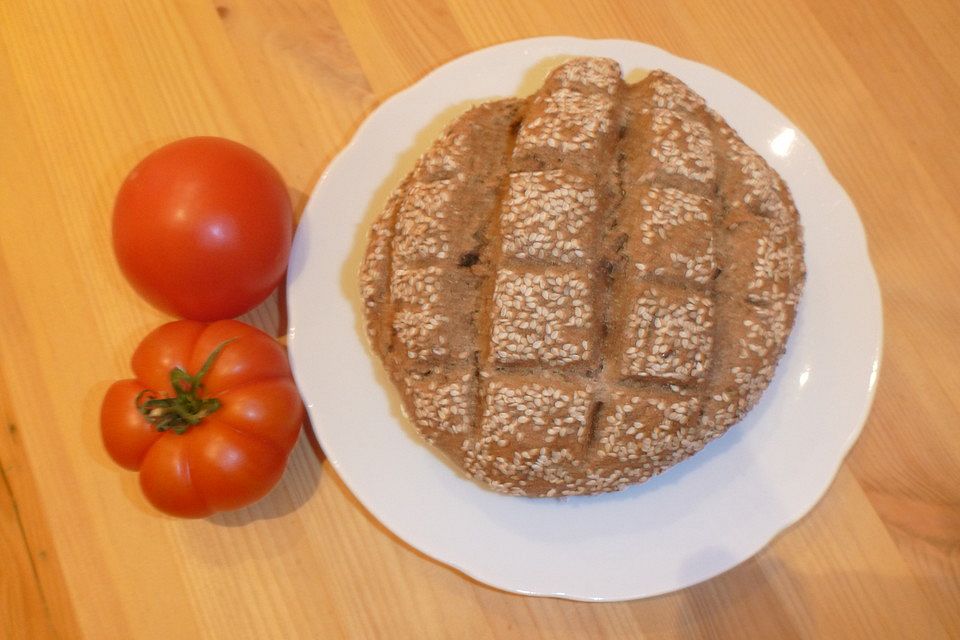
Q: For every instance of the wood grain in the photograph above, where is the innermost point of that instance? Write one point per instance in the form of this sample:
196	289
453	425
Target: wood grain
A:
90	87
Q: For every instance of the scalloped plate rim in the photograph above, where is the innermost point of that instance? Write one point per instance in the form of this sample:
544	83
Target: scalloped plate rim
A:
346	470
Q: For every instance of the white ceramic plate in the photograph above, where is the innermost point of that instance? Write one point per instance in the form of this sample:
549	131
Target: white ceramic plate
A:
699	518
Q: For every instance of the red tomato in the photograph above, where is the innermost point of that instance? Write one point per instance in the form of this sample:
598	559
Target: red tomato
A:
202	228
209	420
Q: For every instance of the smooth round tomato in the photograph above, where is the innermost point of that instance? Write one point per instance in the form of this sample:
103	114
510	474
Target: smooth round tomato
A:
202	228
209	418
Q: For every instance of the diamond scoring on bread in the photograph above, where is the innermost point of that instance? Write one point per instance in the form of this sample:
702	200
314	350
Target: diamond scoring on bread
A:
575	291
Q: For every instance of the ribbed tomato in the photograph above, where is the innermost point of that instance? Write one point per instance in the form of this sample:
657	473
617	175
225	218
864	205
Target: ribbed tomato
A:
209	418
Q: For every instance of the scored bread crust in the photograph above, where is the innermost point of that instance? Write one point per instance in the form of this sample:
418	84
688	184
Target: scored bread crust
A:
577	290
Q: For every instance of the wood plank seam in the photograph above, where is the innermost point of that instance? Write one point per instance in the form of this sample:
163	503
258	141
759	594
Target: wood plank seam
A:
12	429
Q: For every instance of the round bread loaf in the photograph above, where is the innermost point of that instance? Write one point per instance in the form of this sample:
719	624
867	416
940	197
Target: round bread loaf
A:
578	290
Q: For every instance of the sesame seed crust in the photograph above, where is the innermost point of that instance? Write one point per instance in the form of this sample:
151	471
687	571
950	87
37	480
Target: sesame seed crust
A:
578	290
545	214
541	318
670	232
567	121
587	75
668	92
641	434
670	337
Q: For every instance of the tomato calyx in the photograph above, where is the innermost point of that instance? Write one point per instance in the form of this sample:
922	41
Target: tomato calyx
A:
187	407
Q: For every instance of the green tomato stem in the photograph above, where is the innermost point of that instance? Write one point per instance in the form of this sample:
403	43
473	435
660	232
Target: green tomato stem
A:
187	407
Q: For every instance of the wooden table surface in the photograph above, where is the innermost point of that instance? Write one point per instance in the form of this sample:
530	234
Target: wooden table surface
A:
87	88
